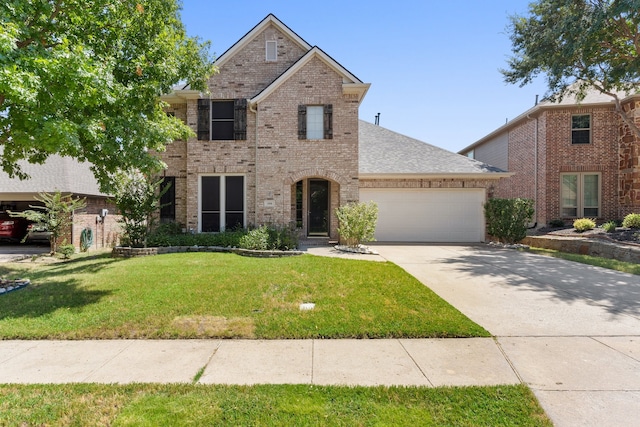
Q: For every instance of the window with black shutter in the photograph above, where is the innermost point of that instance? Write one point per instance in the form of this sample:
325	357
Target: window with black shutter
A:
222	119
315	121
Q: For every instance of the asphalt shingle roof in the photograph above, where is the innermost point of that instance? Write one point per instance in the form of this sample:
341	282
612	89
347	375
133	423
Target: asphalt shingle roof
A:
56	174
386	152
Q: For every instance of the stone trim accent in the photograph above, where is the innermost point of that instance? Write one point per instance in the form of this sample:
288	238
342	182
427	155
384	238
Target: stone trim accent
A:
127	252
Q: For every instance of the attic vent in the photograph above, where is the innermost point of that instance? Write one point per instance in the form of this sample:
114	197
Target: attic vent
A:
272	50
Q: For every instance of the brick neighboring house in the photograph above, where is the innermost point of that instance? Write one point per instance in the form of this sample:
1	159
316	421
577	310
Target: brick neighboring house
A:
69	177
574	159
279	141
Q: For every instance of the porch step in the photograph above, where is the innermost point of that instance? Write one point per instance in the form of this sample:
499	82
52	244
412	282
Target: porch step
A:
316	241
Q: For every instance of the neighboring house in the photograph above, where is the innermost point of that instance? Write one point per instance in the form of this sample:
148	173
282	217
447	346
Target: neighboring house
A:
69	177
279	142
574	159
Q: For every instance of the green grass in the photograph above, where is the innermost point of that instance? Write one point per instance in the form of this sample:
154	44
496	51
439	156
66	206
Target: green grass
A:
612	264
200	295
267	405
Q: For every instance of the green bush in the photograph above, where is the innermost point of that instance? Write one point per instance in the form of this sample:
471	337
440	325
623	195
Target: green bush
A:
584	224
67	251
507	218
256	239
283	238
631	221
357	223
609	226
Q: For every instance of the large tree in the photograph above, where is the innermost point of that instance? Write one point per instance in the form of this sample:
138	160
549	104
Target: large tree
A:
579	45
83	78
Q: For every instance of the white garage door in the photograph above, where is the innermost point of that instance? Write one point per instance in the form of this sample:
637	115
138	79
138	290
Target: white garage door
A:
427	215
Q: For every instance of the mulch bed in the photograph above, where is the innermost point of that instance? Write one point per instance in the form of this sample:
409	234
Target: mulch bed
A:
621	234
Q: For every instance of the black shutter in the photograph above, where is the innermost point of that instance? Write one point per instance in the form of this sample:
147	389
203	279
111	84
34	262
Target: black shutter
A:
240	119
204	120
302	122
328	121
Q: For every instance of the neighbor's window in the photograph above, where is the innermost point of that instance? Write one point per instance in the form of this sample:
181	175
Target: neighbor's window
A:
272	50
581	129
580	195
315	121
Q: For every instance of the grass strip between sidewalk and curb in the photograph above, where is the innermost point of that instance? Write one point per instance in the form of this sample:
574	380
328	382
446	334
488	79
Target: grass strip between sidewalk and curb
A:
268	405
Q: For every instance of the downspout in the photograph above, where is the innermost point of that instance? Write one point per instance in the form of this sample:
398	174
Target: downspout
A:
535	177
253	108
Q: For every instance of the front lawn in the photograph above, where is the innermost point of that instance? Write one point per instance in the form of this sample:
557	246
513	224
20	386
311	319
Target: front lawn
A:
199	295
266	405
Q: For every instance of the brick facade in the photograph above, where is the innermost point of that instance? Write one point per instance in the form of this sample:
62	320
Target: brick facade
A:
272	158
540	150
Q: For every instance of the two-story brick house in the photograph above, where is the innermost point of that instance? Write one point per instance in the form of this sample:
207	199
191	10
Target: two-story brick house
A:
279	141
575	159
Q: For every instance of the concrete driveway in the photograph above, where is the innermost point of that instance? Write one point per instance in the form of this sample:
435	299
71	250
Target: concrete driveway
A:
14	252
571	331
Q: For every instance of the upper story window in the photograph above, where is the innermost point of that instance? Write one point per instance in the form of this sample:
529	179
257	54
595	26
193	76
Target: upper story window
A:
271	50
222	119
581	129
315	121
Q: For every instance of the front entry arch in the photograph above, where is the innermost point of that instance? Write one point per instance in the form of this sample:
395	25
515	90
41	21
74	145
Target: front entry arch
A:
313	206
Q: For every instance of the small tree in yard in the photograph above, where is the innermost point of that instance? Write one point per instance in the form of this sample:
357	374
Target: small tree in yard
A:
507	218
55	214
357	223
137	198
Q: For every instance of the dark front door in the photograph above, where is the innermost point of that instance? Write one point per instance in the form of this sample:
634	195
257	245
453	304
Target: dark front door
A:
318	207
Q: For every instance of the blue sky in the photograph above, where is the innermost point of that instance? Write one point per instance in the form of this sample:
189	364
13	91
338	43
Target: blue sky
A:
433	65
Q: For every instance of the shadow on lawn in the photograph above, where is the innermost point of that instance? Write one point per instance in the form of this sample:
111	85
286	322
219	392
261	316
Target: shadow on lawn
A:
53	288
36	301
618	293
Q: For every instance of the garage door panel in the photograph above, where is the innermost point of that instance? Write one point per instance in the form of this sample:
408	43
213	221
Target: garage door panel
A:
428	215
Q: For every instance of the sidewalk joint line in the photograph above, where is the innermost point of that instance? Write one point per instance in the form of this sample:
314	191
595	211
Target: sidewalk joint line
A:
415	363
206	365
504	354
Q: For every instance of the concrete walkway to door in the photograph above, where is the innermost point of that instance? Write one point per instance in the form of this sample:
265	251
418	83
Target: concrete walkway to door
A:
571	331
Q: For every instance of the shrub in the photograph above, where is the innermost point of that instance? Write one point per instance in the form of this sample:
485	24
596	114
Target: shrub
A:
556	223
609	226
357	222
583	224
283	238
631	221
67	250
256	239
507	218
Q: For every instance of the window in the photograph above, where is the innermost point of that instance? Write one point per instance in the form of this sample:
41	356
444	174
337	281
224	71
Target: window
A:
315	121
580	195
271	50
581	129
221	203
222	119
168	199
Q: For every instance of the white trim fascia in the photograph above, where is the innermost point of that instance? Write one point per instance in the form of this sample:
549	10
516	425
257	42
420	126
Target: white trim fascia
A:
480	175
359	89
270	19
314	52
180	96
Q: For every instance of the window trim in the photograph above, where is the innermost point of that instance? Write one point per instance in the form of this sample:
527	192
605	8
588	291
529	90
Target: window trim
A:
589	129
223	200
274	44
580	208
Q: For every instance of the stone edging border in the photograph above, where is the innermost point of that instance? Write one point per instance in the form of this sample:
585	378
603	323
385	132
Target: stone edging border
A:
127	252
7	286
603	248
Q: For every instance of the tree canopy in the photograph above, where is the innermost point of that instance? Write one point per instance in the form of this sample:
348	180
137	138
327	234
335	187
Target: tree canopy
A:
578	45
83	78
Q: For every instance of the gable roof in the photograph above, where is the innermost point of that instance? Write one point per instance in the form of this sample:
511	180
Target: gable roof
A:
57	173
351	84
593	98
386	153
269	20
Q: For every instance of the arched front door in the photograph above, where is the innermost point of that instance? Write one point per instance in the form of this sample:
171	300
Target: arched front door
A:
318	207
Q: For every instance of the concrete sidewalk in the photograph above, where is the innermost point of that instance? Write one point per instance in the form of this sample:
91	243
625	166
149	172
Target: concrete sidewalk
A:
417	362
